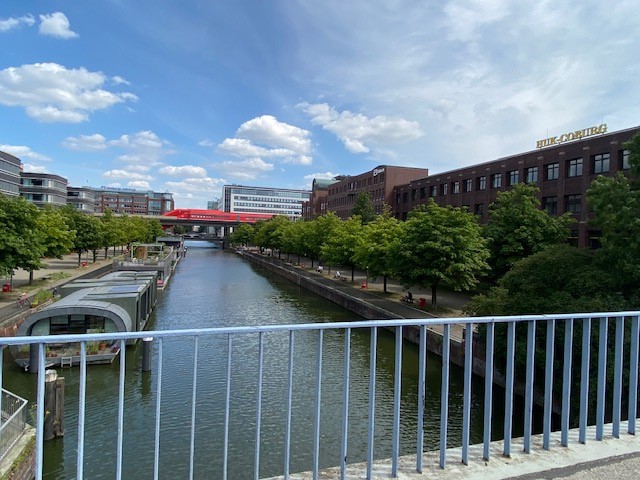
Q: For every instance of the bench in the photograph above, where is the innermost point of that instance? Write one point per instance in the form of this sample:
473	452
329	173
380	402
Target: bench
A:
407	298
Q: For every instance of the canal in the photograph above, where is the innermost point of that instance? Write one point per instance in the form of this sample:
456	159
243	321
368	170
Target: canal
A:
213	288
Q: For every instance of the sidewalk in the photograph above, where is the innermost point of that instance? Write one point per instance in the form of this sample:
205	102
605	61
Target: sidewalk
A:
57	272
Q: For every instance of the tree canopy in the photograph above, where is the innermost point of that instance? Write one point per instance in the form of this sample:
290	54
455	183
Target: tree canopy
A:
439	244
517	228
363	207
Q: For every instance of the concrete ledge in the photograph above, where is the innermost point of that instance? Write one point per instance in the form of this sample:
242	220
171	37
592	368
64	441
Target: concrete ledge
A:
576	458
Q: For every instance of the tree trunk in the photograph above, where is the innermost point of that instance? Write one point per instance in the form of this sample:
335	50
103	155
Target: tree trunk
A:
31	276
353	271
79	257
95	254
384	282
434	289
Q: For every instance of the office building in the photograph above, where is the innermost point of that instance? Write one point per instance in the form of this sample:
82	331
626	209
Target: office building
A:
275	201
10	168
43	189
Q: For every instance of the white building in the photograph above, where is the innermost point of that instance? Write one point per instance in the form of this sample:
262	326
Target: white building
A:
276	201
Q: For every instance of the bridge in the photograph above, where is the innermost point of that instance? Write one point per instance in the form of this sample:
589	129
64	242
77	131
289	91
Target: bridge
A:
213	218
611	396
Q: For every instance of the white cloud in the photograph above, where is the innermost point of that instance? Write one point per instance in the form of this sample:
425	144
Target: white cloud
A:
56	25
198	185
266	137
184	170
206	143
144	139
22	151
248	169
355	130
320	175
28	167
87	143
269	131
125	174
118	80
52	93
139	185
10	23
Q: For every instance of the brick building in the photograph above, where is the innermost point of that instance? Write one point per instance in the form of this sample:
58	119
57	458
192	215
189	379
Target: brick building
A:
379	183
561	167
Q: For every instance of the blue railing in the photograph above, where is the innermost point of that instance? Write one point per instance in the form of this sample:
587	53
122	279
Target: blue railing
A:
495	330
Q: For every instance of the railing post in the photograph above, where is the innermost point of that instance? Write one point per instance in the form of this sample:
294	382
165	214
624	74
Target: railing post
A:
508	392
397	390
316	428
422	368
372	398
444	394
287	429
345	403
633	376
488	391
528	391
602	376
466	402
566	381
548	385
617	376
584	379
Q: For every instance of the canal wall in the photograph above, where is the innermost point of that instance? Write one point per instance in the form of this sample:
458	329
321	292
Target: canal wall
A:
371	307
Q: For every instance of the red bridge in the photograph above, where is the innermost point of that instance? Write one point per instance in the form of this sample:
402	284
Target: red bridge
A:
190	216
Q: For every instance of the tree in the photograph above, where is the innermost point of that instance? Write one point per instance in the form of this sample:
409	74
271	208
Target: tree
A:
615	202
242	235
439	244
339	248
517	228
268	233
372	250
57	236
364	208
87	230
560	279
317	232
21	243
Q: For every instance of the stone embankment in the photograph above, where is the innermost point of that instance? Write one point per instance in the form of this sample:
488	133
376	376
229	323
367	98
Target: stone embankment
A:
372	306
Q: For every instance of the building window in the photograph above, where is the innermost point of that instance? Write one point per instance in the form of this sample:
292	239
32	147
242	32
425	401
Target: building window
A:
444	189
550	205
479	209
481	183
496	180
574	167
601	163
468	185
455	187
397	198
553	171
624	160
433	191
514	177
423	192
414	194
405	197
573	203
531	174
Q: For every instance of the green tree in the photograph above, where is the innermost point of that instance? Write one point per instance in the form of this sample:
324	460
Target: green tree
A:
87	228
317	232
439	244
268	233
517	228
372	250
339	248
242	235
560	279
364	208
21	243
57	236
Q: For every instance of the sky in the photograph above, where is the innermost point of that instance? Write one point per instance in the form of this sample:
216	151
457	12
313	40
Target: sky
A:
185	97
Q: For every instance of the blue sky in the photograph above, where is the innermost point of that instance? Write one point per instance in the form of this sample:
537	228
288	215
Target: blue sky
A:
188	96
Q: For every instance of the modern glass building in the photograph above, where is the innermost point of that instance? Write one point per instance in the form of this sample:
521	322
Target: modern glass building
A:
132	202
43	188
276	201
10	167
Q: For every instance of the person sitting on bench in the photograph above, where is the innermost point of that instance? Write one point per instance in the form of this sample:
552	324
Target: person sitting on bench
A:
408	297
337	275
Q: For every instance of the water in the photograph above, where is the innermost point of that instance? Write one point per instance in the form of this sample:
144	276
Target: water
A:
215	288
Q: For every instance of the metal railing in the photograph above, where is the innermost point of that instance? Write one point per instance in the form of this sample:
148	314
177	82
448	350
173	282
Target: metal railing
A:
499	337
13	419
